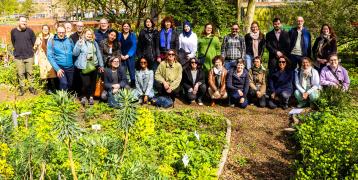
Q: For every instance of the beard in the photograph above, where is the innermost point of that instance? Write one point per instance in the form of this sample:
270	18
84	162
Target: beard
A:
22	27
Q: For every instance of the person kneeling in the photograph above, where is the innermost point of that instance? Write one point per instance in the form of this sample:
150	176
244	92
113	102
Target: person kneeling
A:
307	83
144	79
217	80
238	84
257	76
114	79
194	82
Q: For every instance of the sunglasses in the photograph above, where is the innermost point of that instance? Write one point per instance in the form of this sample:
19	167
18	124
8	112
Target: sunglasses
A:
193	62
171	54
143	62
282	62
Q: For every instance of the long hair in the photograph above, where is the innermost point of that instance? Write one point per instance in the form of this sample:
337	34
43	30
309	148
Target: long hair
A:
331	31
90	30
151	20
213	31
129	24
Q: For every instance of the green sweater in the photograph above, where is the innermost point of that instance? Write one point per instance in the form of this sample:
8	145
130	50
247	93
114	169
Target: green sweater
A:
171	75
213	50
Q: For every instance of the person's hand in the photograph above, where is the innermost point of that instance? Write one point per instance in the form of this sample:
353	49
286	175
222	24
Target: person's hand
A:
305	95
196	87
195	91
145	99
279	53
114	91
60	73
242	100
190	90
166	85
240	92
169	90
258	94
159	60
222	92
217	94
273	95
101	69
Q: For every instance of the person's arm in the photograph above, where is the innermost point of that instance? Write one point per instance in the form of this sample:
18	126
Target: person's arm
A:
176	41
251	79
194	41
157	44
269	44
323	77
314	49
229	82
179	71
133	48
334	46
99	54
243	48
13	38
159	72
51	54
309	52
77	48
271	84
263	85
223	84
246	85
107	81
346	80
150	83
262	45
186	82
137	85
140	45
297	82
211	81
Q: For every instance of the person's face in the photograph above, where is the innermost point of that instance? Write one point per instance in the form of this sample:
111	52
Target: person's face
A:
325	30
193	64
148	23
126	28
257	63
300	22
240	67
68	27
277	25
306	64
103	24
333	61
168	24
143	63
115	63
171	57
45	30
22	23
254	28
186	28
79	27
89	35
218	64
61	32
112	36
234	30
282	63
209	29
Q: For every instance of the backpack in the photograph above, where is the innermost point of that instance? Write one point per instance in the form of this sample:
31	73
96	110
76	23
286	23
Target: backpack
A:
163	101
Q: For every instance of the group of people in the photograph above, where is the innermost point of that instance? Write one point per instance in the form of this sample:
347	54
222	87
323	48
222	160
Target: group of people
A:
166	63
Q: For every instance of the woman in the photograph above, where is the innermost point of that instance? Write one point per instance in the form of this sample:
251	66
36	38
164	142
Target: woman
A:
144	79
238	85
128	42
47	73
255	44
114	79
188	45
257	77
148	44
334	75
168	36
168	76
280	84
324	46
194	82
208	47
89	59
110	47
307	83
217	80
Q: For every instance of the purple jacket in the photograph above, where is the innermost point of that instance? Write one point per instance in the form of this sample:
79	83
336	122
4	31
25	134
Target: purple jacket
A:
328	79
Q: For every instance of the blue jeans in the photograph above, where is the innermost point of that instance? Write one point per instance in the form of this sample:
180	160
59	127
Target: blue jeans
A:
130	64
66	79
248	60
230	64
235	99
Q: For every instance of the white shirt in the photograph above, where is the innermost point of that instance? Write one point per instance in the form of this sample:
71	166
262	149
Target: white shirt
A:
189	44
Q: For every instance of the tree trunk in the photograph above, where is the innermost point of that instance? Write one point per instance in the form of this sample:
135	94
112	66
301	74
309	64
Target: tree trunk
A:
249	17
71	161
125	146
43	171
30	168
239	4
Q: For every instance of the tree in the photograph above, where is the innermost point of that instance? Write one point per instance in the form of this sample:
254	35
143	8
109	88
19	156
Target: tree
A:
8	6
26	8
249	16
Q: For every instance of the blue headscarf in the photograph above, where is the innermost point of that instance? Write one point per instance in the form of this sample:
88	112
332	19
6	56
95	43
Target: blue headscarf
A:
187	34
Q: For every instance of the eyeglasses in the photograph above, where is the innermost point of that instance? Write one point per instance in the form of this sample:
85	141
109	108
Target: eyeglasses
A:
282	62
171	54
193	62
61	32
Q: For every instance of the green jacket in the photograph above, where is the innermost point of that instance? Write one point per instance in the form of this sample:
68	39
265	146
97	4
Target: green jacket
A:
171	75
213	50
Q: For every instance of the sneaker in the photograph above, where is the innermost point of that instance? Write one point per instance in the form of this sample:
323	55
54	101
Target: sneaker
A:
200	102
32	90
83	101
91	101
212	104
284	107
21	92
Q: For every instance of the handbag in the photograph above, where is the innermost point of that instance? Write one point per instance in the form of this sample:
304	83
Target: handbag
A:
202	58
99	87
90	67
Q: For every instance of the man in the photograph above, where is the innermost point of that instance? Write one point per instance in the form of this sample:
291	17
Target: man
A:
233	47
102	32
300	46
59	53
277	43
23	40
79	28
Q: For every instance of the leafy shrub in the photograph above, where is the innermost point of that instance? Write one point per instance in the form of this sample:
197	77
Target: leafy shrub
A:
333	100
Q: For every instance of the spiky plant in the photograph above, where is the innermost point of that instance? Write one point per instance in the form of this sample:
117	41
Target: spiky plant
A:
126	114
65	123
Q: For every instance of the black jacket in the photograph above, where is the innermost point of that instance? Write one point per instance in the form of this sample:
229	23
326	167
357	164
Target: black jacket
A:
148	44
108	79
272	45
116	50
187	79
23	43
174	43
248	43
328	48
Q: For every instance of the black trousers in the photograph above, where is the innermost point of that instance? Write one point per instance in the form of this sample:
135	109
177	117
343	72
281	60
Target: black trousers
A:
199	95
88	83
162	92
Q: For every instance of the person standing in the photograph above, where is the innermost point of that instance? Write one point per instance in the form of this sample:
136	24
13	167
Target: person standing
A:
79	29
188	45
47	73
233	48
169	38
277	43
110	47
324	46
128	41
255	44
148	44
208	47
59	53
23	40
68	27
89	54
102	32
76	75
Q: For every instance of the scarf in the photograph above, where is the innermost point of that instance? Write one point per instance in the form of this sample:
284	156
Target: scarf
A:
187	34
305	78
255	42
218	73
149	34
325	40
163	40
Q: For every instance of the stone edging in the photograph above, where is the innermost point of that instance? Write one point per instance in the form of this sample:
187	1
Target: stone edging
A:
225	152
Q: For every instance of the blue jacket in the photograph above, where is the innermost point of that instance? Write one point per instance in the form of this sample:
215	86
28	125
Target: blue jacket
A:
59	52
235	83
81	52
305	41
281	81
100	35
108	78
129	45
